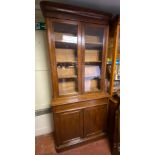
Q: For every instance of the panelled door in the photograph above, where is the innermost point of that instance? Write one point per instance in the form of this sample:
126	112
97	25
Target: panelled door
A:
69	126
95	120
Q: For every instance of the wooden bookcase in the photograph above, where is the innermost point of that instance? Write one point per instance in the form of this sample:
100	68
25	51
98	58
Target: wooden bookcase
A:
113	56
113	78
78	44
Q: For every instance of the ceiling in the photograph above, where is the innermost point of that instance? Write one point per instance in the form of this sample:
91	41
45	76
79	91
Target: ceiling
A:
110	6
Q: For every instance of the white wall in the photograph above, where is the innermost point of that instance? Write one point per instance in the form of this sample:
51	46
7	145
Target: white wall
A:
42	71
43	123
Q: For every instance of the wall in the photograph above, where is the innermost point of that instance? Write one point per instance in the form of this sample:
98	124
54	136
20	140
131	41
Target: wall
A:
43	118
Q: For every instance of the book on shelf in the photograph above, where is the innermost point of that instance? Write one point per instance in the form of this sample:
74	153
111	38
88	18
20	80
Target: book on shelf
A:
92	55
66	71
66	55
65	37
91	85
91	70
92	39
66	87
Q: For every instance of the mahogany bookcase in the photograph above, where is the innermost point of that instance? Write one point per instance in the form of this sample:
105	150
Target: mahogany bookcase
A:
78	45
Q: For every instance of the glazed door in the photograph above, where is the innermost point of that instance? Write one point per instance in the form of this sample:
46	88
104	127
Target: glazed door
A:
65	49
95	120
94	54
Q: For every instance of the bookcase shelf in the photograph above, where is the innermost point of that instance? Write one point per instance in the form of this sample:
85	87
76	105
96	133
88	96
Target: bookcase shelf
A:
93	62
68	77
93	45
67	63
92	77
62	44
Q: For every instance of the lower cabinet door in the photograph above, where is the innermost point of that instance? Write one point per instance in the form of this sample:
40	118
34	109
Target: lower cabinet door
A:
95	120
68	126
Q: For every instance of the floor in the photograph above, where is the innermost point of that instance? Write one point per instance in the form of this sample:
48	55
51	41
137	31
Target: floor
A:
45	146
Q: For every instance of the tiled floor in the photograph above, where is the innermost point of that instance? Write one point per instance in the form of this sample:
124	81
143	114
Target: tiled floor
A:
45	146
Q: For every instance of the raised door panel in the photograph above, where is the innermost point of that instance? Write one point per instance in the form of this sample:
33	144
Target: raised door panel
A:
69	126
95	120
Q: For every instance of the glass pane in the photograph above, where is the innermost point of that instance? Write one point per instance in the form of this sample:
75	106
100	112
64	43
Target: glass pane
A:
66	57
93	57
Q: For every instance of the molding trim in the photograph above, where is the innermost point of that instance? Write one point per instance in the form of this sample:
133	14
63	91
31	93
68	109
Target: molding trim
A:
51	134
43	111
66	11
